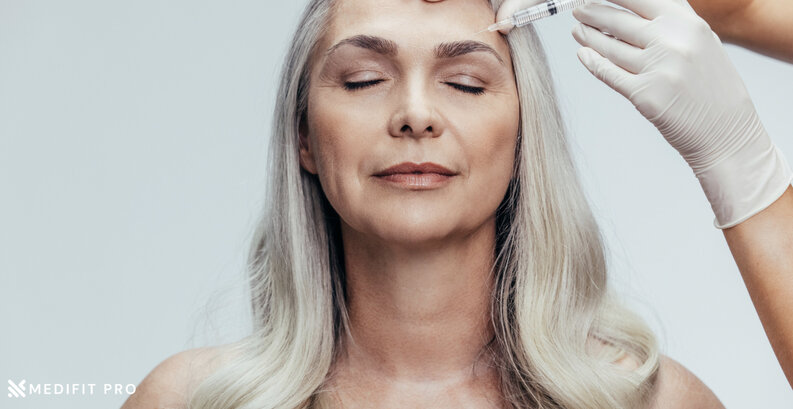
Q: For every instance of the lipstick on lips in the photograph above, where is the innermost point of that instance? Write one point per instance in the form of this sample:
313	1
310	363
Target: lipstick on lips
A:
417	176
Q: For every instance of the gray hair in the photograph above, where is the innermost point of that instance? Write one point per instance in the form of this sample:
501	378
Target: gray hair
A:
550	295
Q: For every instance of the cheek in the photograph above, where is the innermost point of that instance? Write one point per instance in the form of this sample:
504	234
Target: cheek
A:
339	137
327	133
490	137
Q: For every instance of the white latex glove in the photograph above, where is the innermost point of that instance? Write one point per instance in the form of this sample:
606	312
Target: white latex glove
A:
667	61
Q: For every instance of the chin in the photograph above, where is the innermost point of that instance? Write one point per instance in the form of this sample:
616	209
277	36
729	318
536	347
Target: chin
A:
407	230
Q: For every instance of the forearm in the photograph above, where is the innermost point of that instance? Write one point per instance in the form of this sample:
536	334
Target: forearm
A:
763	250
763	26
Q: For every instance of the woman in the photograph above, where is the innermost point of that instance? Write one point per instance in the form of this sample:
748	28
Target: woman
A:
427	242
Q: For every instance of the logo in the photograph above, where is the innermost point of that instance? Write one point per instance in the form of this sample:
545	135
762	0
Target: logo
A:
20	390
16	391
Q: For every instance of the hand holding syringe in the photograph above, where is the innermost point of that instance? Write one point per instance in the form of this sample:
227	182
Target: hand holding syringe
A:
520	13
665	59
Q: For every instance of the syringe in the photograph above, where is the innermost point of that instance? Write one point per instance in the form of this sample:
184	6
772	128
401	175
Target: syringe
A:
534	13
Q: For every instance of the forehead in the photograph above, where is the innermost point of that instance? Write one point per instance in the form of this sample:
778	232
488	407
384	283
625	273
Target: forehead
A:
415	24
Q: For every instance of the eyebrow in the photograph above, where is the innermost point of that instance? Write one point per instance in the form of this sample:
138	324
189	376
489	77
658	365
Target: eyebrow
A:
389	48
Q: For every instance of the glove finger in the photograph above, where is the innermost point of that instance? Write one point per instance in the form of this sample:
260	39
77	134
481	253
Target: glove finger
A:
648	9
509	7
621	24
619	52
615	77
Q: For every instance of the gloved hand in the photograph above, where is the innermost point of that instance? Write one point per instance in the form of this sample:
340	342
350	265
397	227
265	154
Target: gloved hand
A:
667	61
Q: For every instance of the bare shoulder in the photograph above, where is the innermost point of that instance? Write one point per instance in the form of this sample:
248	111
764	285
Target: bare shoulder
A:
678	388
167	385
675	388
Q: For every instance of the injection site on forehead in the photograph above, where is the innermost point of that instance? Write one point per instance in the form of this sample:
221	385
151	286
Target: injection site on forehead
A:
416	24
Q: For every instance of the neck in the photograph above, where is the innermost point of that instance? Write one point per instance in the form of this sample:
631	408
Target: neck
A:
419	312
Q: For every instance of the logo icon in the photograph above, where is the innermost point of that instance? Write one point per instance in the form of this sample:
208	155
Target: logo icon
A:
16	391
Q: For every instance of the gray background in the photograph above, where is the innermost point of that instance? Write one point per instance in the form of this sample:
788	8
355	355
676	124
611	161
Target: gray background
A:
132	140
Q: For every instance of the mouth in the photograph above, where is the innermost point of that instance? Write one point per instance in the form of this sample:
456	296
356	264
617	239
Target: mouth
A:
415	176
408	168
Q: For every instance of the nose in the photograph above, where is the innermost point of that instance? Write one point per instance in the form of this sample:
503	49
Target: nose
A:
416	114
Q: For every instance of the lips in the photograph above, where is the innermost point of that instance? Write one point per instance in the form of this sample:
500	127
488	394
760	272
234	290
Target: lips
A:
416	168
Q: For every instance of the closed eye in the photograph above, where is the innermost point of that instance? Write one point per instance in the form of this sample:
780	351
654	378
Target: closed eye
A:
353	86
466	88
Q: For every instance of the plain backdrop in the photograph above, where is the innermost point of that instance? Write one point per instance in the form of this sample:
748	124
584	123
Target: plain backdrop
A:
132	148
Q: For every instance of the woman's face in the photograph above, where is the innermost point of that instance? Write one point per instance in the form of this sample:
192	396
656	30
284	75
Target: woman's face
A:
410	81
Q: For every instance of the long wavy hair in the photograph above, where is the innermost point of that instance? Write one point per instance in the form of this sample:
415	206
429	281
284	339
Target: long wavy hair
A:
550	297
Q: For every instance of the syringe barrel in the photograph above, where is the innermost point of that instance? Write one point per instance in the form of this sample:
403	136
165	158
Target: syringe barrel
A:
549	8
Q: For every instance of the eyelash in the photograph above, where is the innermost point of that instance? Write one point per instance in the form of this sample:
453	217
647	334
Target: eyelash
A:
354	86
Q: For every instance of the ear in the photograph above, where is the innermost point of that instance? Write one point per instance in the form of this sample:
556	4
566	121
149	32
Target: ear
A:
306	155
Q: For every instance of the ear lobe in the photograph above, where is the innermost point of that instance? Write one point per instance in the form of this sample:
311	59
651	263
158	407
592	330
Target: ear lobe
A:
306	156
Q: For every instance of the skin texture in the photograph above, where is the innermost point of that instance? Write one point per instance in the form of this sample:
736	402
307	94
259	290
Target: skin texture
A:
763	26
763	249
169	383
678	388
417	261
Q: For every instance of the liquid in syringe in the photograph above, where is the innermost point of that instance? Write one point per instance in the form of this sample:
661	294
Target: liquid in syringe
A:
537	12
